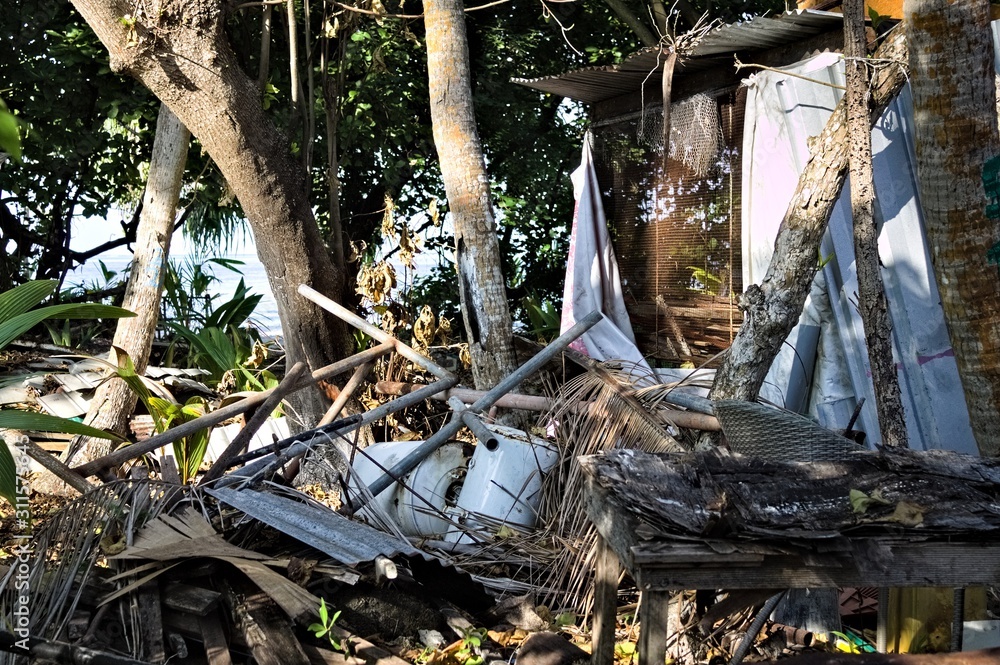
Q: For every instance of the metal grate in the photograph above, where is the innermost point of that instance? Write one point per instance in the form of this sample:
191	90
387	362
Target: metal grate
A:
677	237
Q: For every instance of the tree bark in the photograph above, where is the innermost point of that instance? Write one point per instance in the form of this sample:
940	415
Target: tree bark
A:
955	126
772	308
463	168
114	401
872	302
181	53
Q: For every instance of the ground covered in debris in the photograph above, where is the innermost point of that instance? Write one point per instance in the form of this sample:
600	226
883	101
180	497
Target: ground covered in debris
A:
480	552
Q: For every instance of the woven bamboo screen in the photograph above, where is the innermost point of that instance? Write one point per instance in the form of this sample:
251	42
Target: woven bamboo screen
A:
677	236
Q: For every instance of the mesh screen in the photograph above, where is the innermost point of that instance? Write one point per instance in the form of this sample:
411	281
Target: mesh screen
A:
677	236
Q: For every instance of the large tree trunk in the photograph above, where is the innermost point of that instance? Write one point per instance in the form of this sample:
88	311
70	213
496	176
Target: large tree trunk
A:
463	168
872	303
179	50
955	122
772	308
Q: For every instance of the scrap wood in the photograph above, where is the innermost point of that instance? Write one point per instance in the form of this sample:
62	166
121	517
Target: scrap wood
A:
56	467
302	442
264	628
981	657
690	419
214	640
696	495
122	455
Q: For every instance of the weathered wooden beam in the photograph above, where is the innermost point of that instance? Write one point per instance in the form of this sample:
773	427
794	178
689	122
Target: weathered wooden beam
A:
607	570
981	657
263	624
58	469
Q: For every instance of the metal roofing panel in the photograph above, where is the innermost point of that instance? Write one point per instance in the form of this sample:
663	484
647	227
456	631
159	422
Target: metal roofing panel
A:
345	540
595	84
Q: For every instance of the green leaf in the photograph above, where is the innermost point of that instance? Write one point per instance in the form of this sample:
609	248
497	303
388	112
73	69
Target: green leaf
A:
43	422
22	298
323	612
8	474
11	329
10	135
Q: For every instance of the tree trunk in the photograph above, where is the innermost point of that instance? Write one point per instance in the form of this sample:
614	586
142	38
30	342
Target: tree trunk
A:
772	308
181	53
463	168
872	303
112	406
114	402
955	123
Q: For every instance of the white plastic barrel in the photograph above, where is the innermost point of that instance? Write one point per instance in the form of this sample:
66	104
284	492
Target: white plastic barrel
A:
504	482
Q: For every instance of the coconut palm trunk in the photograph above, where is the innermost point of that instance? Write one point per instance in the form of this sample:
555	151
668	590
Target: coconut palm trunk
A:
955	123
463	168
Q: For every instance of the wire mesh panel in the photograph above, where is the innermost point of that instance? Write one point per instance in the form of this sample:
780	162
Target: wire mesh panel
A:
677	230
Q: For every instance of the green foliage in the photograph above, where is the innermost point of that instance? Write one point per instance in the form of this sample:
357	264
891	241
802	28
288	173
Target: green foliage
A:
470	651
87	139
10	133
545	318
17	317
8	474
43	422
325	627
189	451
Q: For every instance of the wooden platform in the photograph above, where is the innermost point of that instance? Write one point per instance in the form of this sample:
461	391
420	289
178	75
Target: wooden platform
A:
718	521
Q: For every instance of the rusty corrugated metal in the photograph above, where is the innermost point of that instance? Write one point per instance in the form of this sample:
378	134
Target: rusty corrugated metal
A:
596	84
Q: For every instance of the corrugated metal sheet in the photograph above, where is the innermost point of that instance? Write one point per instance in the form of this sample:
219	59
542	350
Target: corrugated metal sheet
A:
347	541
596	84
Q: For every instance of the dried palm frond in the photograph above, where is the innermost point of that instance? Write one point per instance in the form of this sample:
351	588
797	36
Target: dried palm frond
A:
615	415
59	560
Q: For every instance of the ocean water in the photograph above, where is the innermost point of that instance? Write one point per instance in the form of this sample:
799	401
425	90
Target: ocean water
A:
265	316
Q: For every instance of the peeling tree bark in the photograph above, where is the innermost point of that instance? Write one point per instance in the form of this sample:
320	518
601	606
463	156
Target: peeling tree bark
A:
463	168
179	50
872	303
955	133
772	308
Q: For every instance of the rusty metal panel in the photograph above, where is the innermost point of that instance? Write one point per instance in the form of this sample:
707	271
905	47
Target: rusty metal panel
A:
347	541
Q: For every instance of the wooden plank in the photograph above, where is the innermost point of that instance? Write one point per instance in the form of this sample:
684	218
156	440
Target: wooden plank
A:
899	564
190	599
605	604
653	627
214	639
263	624
154	648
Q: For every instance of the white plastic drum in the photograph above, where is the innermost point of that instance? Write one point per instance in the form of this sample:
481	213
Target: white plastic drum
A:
504	482
435	479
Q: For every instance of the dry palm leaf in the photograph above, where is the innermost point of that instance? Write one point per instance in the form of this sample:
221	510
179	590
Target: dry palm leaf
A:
59	564
616	417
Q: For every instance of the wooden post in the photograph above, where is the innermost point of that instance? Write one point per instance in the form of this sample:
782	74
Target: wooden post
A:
605	604
653	627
